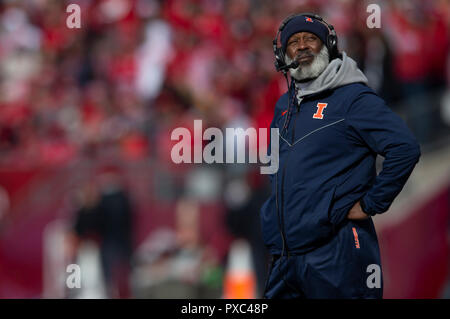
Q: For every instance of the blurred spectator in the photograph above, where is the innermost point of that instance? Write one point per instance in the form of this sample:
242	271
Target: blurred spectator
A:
115	225
243	198
105	215
86	215
178	263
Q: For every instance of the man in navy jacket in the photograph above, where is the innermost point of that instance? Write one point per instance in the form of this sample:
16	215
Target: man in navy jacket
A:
317	223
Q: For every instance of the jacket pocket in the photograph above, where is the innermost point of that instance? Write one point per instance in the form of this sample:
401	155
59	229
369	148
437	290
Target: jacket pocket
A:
338	215
307	222
344	198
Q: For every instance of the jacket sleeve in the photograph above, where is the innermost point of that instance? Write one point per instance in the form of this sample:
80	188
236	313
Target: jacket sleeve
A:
374	125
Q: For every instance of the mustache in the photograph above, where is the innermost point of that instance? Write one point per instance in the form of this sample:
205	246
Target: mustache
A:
306	54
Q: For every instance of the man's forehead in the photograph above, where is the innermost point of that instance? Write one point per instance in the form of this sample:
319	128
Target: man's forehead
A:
302	33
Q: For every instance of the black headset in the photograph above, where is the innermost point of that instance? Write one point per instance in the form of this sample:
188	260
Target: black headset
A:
332	41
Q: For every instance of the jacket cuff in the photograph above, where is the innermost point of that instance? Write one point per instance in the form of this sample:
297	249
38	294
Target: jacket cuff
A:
366	209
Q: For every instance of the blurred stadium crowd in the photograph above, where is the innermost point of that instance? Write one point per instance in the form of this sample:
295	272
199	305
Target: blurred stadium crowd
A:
114	89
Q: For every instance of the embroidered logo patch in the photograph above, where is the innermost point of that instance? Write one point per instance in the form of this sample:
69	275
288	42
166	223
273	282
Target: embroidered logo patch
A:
319	112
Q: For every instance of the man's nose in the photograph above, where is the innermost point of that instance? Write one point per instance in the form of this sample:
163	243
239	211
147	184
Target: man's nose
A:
302	45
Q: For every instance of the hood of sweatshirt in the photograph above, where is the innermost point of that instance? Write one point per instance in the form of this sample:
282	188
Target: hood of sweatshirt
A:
338	72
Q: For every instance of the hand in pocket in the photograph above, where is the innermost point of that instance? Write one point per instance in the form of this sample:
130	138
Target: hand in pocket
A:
356	213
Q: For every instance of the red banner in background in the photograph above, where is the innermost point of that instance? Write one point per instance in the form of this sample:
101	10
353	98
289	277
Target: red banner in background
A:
415	252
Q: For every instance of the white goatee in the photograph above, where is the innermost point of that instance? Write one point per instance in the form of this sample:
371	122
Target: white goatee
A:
312	70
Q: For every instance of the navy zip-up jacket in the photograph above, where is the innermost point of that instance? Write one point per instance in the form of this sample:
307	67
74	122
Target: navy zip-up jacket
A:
327	155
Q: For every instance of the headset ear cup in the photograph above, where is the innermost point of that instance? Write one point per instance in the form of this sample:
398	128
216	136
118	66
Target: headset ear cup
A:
332	46
331	41
279	58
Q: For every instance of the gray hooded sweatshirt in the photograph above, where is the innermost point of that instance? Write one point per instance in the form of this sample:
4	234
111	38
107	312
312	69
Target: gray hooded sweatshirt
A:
339	72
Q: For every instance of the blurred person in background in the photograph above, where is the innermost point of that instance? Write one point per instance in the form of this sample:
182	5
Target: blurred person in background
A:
242	198
105	215
177	263
115	227
317	223
86	220
83	241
